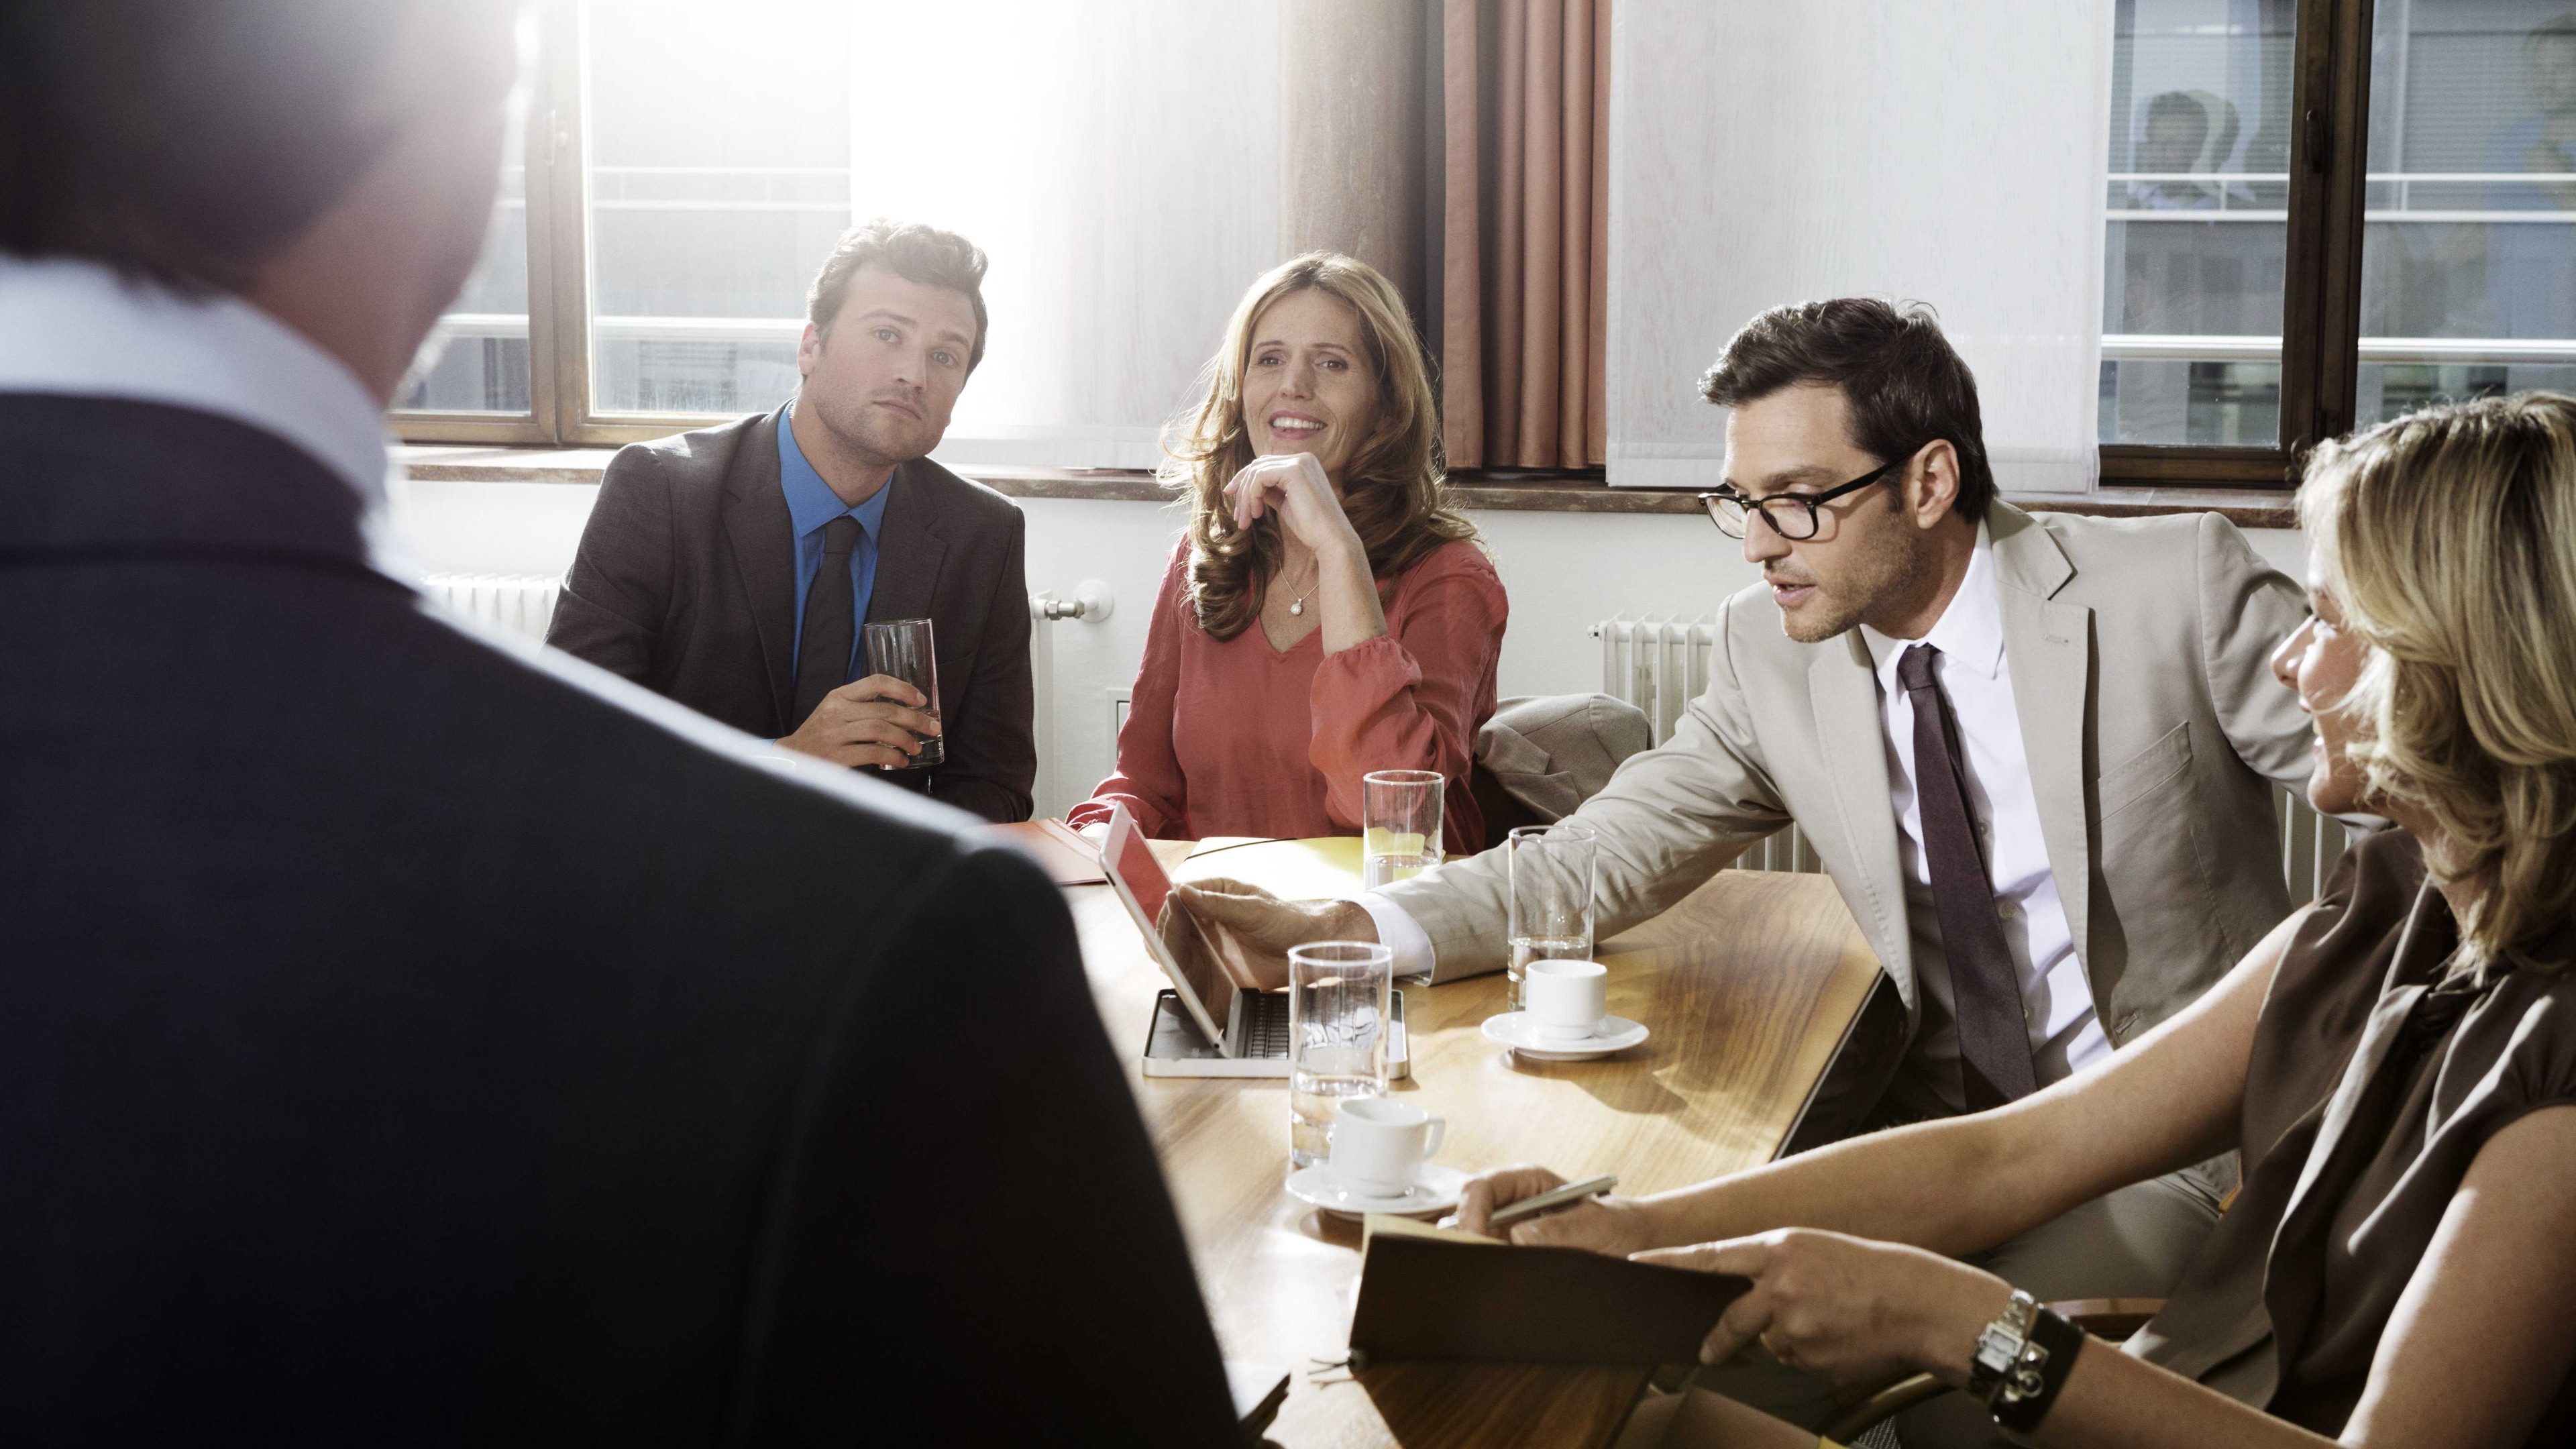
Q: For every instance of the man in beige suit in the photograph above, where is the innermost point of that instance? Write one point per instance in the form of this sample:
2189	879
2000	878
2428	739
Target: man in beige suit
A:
2051	738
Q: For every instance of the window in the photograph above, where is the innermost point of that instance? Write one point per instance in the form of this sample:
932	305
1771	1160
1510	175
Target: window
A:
2197	233
2468	270
2310	227
689	165
2315	213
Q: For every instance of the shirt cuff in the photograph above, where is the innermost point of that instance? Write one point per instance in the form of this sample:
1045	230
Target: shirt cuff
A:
1399	932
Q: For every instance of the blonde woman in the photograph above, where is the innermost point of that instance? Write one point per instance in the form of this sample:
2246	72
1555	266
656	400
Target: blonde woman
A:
2397	1062
1326	615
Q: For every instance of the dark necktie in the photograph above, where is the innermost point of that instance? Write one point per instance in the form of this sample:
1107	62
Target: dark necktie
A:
1985	986
823	650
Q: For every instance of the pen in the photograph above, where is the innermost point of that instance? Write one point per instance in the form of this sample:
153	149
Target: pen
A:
1566	1196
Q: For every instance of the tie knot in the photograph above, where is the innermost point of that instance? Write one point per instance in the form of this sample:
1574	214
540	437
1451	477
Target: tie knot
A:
840	537
1914	667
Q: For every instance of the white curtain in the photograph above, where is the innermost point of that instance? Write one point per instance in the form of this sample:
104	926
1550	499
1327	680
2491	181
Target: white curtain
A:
1118	161
1943	151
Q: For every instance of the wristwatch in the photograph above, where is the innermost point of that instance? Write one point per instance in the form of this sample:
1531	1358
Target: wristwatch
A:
2001	1344
2022	1360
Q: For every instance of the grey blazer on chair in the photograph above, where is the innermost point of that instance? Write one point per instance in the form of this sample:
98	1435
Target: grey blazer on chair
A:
2139	651
686	584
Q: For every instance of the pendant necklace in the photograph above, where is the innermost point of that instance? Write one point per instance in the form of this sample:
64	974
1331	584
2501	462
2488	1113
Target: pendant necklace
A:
1299	606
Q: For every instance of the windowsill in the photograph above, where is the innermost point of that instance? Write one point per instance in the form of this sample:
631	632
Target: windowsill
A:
2247	508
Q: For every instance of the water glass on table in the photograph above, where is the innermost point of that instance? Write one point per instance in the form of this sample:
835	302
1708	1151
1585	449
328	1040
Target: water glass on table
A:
1338	1002
1552	873
903	649
1400	815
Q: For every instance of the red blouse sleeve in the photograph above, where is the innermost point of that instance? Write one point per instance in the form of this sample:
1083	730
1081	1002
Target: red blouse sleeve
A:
1148	778
1414	698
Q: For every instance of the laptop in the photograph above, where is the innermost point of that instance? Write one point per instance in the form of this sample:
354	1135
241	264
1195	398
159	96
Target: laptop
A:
1203	1026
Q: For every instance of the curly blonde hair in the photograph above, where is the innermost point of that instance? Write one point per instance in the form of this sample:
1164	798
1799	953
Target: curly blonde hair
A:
2449	537
1394	488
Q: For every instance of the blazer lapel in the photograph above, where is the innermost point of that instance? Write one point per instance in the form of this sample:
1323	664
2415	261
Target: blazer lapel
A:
763	538
1843	692
2049	648
909	549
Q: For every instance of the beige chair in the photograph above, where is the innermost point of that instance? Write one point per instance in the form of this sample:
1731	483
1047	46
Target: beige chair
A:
1540	756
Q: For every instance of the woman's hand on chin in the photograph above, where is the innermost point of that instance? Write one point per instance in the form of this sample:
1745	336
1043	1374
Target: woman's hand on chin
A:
1294	486
1846	1309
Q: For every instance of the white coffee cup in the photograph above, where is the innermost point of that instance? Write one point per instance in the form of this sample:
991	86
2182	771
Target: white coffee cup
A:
1378	1145
1566	999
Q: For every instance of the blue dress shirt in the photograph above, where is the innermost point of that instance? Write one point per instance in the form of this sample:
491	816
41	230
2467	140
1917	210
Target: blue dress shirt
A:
811	503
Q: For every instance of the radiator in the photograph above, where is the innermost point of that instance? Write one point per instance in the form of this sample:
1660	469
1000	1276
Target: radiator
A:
523	603
1660	665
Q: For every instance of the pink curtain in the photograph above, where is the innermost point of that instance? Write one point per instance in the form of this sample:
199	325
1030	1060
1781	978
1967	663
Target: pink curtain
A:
1524	278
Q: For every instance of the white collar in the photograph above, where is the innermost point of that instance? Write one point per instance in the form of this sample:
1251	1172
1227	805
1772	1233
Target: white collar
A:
80	328
1970	631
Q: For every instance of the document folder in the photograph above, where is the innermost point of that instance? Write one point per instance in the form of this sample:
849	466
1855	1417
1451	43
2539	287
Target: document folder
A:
1429	1292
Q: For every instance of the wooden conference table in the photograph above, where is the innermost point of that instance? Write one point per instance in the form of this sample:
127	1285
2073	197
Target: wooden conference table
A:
1748	986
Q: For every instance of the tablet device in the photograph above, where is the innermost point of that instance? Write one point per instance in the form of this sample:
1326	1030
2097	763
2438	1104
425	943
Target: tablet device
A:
1127	858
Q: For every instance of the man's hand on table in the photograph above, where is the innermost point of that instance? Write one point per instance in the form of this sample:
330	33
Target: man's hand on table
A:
1616	1226
1248	931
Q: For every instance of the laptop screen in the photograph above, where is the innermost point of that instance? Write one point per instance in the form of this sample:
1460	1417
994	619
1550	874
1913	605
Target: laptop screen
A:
1138	870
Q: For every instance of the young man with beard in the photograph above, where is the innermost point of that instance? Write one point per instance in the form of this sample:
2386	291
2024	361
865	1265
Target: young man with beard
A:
2036	753
730	568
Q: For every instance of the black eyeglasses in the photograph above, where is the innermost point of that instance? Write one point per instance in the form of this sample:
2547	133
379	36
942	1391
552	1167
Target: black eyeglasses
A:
1791	515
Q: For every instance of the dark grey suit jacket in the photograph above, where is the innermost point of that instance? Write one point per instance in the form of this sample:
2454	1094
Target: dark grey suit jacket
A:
407	1041
686	584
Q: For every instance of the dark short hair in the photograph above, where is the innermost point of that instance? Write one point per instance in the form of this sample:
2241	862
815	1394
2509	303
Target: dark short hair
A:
917	253
189	140
1903	383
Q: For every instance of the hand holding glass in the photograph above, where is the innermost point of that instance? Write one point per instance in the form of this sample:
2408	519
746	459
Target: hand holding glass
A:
903	649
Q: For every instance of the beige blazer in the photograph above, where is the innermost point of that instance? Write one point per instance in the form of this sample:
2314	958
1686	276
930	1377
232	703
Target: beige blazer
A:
2139	651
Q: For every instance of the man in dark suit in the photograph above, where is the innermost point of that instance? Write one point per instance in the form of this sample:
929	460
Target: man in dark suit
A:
727	568
405	1040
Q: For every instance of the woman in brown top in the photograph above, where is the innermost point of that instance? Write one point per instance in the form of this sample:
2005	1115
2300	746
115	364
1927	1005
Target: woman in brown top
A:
2397	1062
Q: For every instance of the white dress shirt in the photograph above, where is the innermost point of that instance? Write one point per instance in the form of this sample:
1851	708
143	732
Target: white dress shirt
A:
2057	1001
80	329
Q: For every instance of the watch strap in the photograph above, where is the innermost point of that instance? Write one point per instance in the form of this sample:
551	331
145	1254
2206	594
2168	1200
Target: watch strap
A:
2025	1391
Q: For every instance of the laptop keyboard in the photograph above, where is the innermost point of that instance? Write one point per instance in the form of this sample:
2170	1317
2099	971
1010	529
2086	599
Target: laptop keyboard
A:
1265	1024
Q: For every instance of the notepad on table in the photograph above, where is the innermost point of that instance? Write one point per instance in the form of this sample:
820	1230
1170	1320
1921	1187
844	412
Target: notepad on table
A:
1429	1292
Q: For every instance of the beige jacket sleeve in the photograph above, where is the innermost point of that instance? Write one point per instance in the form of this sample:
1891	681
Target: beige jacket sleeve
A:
1668	820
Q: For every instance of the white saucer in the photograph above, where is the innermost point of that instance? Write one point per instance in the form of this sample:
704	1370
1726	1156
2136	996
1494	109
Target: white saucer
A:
1514	1029
1435	1190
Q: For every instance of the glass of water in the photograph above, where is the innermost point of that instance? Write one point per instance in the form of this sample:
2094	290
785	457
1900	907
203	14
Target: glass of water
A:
905	649
1551	870
1401	812
1338	999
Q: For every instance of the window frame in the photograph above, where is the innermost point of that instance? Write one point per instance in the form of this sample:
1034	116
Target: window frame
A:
2321	270
2321	300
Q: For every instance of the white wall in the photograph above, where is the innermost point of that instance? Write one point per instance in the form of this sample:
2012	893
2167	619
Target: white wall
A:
1564	571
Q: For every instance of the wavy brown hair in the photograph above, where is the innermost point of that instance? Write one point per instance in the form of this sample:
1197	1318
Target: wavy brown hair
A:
2445	534
1394	489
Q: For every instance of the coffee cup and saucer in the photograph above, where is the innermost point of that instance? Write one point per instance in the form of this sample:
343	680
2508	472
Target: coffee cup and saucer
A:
1565	1015
1379	1161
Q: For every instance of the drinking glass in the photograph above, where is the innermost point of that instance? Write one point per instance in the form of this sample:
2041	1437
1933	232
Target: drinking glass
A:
1551	871
902	649
1400	810
1338	1002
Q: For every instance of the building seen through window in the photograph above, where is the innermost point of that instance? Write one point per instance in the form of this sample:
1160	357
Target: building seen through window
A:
2469	251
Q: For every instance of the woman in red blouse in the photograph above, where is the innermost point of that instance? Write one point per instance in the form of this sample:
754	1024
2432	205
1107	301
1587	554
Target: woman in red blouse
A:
1325	616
